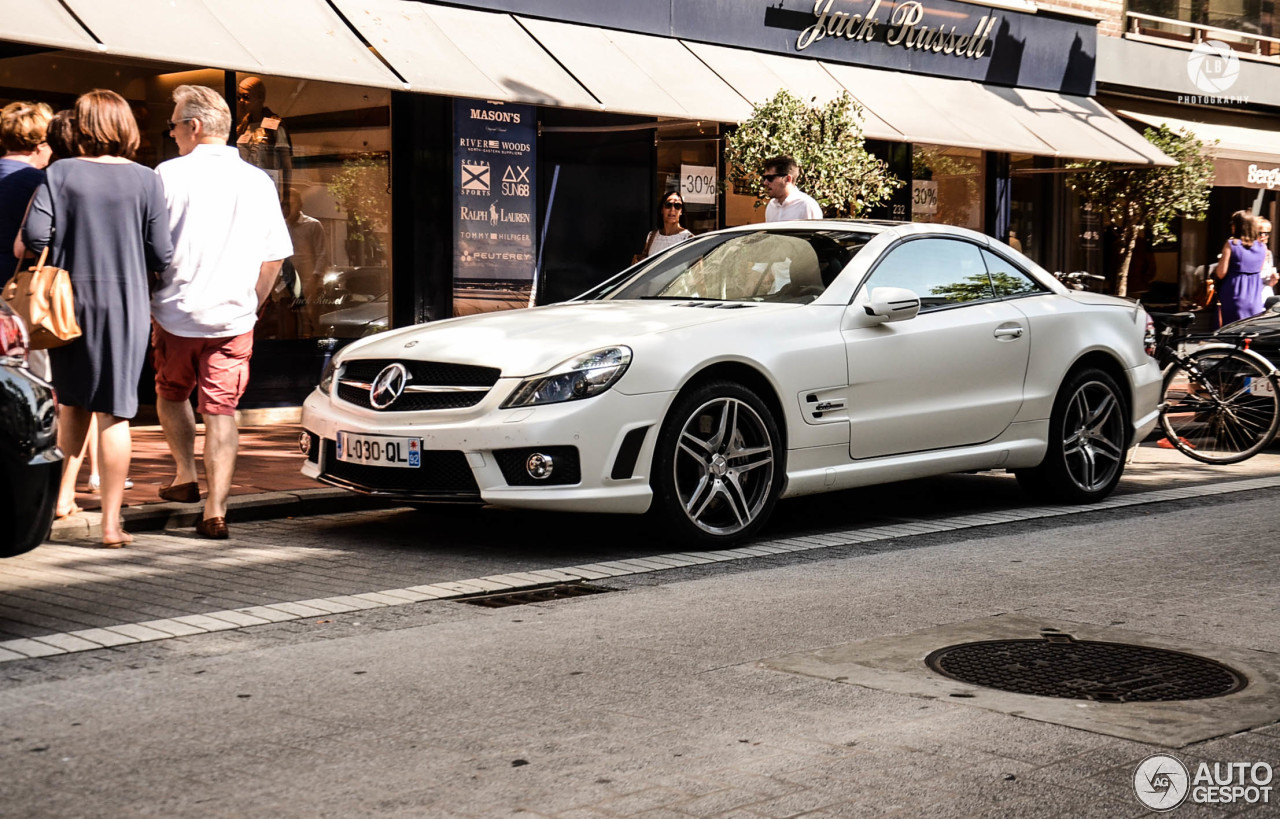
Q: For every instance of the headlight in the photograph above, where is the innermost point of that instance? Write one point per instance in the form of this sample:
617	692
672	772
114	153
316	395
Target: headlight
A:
580	377
326	378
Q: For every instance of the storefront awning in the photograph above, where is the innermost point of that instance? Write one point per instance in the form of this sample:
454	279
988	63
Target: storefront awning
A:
938	111
640	74
1243	157
1080	128
1233	141
465	53
43	23
290	38
758	77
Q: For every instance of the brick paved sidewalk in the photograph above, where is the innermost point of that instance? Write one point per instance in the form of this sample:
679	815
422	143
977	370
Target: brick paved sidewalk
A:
268	464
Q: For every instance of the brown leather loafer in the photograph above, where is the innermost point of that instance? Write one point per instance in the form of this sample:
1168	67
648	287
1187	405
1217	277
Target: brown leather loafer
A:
181	492
213	528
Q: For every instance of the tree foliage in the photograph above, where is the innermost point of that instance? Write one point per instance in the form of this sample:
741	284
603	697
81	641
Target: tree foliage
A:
362	189
1147	199
825	140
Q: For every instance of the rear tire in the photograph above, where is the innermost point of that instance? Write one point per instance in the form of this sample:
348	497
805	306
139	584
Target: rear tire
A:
718	466
1088	438
1213	414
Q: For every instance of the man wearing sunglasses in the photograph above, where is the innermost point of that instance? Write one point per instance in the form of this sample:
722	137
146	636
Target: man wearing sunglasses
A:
788	202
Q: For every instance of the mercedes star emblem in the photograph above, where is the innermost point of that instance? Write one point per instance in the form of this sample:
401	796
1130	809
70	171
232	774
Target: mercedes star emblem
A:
386	388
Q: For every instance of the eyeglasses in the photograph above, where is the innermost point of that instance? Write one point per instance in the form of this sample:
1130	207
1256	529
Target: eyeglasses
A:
173	123
769	177
675	205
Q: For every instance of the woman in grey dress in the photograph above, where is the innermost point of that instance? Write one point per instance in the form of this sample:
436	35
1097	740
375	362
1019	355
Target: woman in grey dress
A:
104	219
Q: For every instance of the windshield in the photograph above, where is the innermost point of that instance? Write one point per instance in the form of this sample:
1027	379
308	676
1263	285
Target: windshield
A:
793	266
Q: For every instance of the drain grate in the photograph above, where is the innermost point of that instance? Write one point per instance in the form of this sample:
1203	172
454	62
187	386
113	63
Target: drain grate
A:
498	600
1058	665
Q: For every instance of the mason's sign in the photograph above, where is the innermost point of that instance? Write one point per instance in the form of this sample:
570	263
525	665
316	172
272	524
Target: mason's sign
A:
902	27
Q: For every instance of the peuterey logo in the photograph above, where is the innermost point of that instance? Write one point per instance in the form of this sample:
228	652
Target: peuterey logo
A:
1213	67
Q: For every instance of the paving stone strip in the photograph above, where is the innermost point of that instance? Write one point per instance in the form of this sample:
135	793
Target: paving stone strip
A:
229	619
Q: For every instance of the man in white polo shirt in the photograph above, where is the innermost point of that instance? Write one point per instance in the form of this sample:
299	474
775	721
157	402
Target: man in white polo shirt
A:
229	240
788	202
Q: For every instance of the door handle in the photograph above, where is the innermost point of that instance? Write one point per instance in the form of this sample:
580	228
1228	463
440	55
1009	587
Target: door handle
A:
1008	332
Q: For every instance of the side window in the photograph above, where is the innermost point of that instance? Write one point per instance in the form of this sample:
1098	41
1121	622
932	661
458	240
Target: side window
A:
1007	279
942	272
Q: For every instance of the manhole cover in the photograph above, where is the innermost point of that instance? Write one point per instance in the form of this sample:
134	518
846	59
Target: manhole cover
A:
1057	665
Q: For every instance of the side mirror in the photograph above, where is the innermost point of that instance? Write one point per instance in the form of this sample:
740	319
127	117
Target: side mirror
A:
890	304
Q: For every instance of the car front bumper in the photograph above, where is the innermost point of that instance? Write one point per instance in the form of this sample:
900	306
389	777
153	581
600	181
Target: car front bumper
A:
476	454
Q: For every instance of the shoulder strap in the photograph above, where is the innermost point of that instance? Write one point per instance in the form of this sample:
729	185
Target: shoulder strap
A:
648	243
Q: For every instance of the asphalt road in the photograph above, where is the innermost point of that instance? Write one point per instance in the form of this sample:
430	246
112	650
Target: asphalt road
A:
674	694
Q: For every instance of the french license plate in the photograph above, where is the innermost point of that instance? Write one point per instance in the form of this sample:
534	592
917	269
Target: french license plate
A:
1261	386
379	450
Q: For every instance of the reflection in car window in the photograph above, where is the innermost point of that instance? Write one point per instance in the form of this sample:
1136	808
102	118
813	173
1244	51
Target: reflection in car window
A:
941	272
1007	279
764	266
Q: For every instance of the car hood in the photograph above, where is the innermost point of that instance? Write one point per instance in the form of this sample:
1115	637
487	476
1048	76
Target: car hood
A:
532	341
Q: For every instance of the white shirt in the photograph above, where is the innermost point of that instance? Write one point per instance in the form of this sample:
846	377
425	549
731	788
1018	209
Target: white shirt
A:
661	242
799	205
225	218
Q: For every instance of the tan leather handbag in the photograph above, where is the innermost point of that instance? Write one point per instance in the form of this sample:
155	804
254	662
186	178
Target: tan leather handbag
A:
42	296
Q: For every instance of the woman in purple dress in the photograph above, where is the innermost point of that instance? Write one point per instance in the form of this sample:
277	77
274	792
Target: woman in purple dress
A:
1239	269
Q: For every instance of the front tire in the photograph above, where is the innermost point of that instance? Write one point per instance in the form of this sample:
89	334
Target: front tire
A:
1088	438
718	466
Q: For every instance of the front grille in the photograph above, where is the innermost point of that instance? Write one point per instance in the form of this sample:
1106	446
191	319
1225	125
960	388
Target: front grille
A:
444	473
421	374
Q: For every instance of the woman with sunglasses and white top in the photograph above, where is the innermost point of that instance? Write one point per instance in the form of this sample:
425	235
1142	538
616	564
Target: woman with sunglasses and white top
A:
671	232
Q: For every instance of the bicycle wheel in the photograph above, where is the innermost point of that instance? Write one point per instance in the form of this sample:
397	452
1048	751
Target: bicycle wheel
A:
1220	405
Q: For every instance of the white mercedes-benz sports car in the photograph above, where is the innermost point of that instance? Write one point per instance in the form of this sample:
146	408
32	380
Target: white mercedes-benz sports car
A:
747	365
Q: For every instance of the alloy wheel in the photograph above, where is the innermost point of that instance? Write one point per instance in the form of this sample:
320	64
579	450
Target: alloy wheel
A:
1093	436
723	466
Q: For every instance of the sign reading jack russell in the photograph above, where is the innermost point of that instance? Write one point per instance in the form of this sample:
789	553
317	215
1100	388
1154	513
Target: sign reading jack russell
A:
494	205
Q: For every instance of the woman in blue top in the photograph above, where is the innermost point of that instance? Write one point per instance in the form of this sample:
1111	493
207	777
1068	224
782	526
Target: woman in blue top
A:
1239	269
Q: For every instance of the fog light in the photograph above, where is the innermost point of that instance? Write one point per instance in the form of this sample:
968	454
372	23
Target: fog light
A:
539	466
304	442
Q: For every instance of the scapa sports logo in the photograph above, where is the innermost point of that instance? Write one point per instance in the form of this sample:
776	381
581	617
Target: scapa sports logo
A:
1161	782
1213	67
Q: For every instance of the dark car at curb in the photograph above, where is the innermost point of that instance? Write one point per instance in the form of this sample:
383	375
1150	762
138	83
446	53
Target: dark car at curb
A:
1263	331
30	461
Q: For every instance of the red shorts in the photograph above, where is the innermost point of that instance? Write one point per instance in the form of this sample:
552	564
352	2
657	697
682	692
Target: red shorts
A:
218	366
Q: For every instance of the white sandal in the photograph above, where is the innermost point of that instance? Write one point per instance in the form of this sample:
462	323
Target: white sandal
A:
95	483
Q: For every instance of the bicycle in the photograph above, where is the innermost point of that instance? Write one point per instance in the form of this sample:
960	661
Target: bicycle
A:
1220	403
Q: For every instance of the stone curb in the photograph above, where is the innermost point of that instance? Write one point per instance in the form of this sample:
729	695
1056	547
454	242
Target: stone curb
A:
153	517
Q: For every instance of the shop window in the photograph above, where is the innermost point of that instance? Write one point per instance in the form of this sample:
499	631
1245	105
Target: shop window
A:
327	147
687	164
1028	206
947	186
